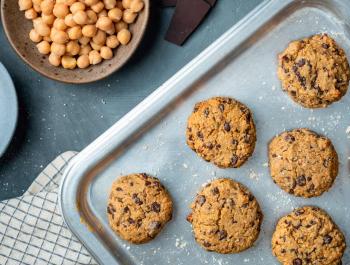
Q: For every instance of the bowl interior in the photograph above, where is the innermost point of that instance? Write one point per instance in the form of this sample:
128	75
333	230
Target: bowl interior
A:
17	29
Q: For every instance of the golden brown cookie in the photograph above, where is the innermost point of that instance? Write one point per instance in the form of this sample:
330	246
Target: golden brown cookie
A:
138	207
302	162
221	130
314	71
225	217
308	235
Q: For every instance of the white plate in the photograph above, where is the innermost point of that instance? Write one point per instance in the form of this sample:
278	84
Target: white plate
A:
8	109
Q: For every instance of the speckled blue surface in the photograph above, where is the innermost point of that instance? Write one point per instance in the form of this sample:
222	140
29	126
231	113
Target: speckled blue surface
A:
56	117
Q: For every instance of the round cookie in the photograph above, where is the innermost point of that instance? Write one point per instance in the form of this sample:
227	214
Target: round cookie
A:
225	217
314	71
138	207
308	235
222	131
302	162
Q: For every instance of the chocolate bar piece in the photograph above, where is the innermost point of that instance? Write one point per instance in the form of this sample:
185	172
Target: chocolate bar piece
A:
168	3
188	15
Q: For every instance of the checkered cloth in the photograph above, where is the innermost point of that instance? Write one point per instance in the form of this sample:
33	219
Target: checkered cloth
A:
32	230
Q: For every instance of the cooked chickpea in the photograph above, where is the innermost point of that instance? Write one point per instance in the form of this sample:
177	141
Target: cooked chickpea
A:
59	36
104	23
47	6
120	25
126	3
106	53
97	8
112	41
47	38
76	7
54	59
34	36
69	2
60	10
25	4
75	33
85	49
136	6
69	20
36	2
103	13
95	46
83	61
73	48
84	40
109	4
99	38
48	19
80	17
58	49
37	8
95	57
59	24
92	17
124	36
129	16
30	14
91	2
115	14
89	31
43	47
41	28
68	62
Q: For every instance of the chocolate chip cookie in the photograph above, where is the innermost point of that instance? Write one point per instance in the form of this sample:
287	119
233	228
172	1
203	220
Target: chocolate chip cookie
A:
314	71
225	217
302	162
308	235
138	208
222	131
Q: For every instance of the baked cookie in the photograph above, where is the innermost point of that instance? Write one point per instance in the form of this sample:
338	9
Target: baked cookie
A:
138	207
308	235
314	71
222	131
225	217
302	162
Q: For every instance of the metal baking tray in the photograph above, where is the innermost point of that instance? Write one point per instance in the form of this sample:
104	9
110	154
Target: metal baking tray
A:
151	138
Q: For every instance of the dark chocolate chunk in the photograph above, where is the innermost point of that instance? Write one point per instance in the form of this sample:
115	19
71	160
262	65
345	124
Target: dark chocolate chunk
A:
325	45
297	261
301	180
301	62
155	207
201	200
136	199
215	191
327	239
206	112
221	107
234	160
222	234
227	127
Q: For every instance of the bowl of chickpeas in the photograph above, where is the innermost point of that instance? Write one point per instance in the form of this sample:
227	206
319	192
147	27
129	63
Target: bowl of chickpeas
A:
75	41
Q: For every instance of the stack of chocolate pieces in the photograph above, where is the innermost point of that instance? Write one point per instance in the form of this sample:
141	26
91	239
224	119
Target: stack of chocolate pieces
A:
187	17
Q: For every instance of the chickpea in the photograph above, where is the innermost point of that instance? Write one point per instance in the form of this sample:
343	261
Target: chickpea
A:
92	17
67	2
99	38
68	62
95	46
83	61
60	10
48	19
76	7
59	24
104	23
84	40
95	57
91	2
126	3
58	49
54	59
25	4
41	28
80	17
112	41
47	38
136	6
37	8
97	8
85	49
43	47
128	16
103	13
109	4
75	33
89	31
69	20
34	36
111	31
30	14
115	14
106	53
59	36
47	6
120	25
36	2
73	48
124	36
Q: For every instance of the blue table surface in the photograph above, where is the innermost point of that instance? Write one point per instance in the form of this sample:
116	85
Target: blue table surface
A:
56	117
